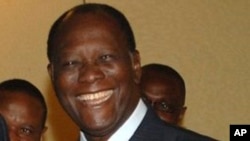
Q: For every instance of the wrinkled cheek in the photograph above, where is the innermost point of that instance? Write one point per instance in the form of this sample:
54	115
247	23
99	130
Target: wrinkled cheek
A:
67	78
64	86
65	82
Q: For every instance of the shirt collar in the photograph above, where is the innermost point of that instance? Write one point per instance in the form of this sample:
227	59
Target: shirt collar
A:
126	131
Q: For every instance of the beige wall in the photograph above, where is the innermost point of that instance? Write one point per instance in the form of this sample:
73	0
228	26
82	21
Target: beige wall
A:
206	41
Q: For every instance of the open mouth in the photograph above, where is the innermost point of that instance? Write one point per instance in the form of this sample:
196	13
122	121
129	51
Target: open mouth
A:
95	98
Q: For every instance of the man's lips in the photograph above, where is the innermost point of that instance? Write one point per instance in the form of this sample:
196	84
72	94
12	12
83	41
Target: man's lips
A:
95	98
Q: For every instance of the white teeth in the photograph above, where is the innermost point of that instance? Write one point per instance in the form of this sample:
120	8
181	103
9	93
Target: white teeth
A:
96	96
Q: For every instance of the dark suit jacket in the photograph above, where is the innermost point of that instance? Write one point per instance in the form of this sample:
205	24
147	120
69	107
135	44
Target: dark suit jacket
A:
3	130
154	129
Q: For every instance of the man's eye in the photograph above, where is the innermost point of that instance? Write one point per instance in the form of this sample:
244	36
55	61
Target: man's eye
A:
106	57
70	63
25	131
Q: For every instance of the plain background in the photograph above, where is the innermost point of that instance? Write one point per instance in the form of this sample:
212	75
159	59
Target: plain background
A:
207	41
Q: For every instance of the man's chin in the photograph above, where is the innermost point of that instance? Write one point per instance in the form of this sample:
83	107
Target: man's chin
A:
103	132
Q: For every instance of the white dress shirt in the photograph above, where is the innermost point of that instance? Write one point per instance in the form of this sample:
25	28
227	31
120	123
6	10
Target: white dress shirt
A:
125	132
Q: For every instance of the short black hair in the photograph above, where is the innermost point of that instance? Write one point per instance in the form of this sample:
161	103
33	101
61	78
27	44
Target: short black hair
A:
167	71
92	8
20	85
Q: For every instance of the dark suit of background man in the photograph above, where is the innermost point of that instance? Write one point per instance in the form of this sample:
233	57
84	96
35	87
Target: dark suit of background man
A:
4	136
95	69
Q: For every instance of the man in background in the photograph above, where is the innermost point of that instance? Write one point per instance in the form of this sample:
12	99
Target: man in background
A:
163	88
24	109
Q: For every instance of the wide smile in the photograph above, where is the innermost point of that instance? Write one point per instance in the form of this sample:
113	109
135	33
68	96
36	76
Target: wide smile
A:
95	98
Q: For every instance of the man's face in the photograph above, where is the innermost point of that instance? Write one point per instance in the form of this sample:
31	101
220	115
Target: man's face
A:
23	115
164	94
94	74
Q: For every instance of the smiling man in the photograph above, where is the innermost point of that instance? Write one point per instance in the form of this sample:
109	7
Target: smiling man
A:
95	69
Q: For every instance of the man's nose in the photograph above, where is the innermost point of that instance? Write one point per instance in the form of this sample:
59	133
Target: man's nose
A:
90	73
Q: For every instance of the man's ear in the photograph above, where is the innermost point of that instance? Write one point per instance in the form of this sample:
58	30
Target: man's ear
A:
50	69
137	66
181	115
183	111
